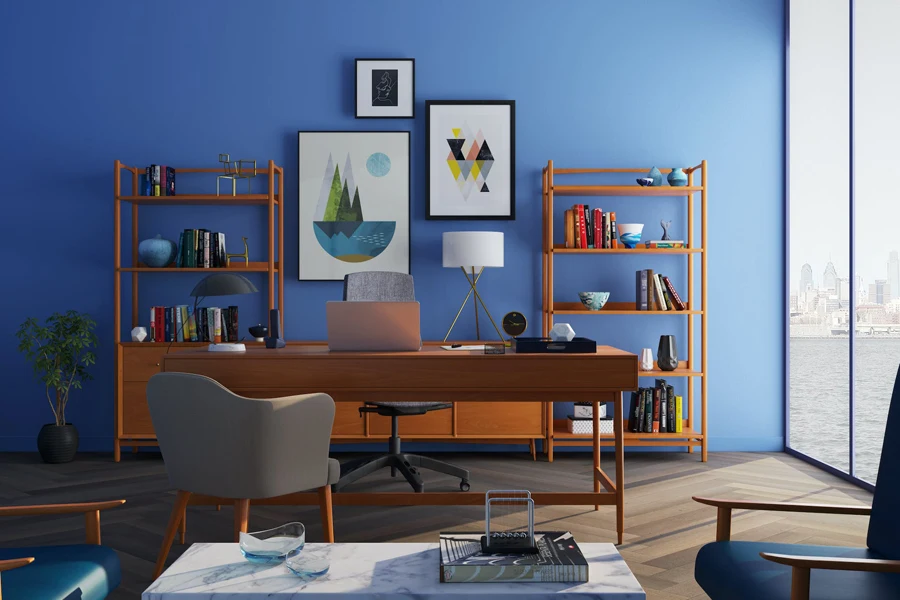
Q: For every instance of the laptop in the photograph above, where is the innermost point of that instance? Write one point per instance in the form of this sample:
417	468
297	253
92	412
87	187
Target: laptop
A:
373	326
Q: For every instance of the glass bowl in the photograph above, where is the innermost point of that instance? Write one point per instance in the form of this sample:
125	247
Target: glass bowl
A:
273	545
311	564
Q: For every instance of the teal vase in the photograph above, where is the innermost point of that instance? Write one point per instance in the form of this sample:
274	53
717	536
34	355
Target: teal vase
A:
656	176
677	178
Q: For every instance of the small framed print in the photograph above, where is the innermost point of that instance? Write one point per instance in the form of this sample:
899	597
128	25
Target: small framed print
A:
471	157
385	88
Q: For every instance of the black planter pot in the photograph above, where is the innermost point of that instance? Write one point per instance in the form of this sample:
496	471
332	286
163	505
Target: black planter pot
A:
57	443
667	354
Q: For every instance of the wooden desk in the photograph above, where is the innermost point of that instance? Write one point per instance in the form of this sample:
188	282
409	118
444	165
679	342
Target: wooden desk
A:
437	375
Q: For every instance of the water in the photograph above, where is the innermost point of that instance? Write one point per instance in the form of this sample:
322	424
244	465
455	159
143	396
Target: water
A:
819	399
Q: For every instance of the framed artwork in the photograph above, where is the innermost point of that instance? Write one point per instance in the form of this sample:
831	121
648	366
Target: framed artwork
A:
471	155
385	88
354	203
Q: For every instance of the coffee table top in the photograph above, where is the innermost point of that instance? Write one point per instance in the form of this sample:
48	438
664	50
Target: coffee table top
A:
369	571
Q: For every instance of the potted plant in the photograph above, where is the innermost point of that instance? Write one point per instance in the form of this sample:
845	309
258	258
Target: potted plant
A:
60	350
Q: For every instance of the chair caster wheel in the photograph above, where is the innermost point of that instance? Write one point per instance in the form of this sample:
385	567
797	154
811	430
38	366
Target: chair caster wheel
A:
464	485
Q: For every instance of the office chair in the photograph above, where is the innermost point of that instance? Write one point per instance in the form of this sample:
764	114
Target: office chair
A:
377	286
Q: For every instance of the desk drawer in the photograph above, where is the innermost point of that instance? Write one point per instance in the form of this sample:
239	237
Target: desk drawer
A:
135	412
347	421
436	422
505	419
140	364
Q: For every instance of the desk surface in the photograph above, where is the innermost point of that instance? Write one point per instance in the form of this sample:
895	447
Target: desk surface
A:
427	352
371	571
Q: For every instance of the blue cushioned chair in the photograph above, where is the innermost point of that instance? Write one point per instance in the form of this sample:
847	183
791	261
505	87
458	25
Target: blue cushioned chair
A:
745	570
76	572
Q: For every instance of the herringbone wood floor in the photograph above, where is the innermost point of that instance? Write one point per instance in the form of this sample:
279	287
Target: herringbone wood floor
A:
664	528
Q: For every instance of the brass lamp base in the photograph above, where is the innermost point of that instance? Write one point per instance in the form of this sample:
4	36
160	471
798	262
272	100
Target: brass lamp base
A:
473	289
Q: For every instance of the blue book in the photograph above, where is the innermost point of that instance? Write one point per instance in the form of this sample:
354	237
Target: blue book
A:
179	259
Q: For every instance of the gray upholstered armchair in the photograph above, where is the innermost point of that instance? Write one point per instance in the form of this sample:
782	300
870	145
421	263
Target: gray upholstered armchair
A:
219	444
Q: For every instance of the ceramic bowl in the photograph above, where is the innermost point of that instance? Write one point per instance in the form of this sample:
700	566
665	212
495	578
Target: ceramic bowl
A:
593	300
273	545
630	233
259	331
645	181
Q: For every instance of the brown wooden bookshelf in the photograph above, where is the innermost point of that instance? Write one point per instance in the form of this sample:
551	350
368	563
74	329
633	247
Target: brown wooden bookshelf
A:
695	367
136	362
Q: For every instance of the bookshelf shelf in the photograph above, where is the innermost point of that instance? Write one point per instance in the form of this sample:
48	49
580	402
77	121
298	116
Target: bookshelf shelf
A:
136	362
695	367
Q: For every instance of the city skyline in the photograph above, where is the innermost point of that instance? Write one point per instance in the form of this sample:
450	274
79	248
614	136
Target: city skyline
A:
827	274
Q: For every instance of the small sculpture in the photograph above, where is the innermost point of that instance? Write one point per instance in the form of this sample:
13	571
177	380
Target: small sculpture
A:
656	176
235	170
245	255
665	226
562	332
645	181
138	334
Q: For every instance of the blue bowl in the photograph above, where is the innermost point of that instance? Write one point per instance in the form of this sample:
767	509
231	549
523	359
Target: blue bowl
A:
593	300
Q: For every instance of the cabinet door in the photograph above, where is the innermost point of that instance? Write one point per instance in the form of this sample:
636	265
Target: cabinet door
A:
501	419
135	413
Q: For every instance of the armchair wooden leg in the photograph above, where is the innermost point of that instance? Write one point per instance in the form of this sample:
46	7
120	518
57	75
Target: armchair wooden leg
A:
325	510
241	517
181	500
182	529
92	526
532	449
723	524
799	583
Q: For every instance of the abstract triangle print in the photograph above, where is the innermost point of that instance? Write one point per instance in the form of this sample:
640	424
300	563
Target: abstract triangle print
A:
470	159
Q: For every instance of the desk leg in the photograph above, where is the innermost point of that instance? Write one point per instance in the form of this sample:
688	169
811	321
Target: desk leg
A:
596	423
619	429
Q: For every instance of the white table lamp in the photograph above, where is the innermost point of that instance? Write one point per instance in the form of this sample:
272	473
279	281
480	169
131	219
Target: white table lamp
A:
472	251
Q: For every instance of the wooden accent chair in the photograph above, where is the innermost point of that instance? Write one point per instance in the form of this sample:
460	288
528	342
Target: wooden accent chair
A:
744	570
84	571
219	444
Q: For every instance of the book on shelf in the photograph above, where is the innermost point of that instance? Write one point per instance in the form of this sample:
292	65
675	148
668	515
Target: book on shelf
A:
655	425
663	406
640	290
157	180
582	227
678	414
200	248
676	299
589	226
651	295
670	406
655	410
558	559
613	234
182	324
648	411
597	221
663	244
655	291
658	290
570	228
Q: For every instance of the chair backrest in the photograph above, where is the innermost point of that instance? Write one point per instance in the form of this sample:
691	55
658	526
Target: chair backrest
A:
884	524
218	443
379	286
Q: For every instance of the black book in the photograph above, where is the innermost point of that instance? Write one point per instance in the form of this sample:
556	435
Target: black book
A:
226	325
589	225
639	421
233	316
632	411
663	405
204	326
670	394
648	410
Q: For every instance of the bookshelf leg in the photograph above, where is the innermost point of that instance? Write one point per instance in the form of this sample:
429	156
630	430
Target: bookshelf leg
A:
596	440
117	450
619	429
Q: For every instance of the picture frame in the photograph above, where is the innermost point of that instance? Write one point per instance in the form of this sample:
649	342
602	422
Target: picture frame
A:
471	159
354	203
385	88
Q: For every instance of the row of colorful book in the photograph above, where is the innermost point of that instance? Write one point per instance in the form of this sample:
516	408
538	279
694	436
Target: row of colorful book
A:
586	228
181	324
655	410
199	248
157	180
654	291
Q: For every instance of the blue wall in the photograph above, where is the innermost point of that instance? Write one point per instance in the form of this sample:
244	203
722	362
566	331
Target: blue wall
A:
596	84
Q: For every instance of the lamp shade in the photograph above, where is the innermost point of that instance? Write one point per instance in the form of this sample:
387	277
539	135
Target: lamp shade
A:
223	284
473	249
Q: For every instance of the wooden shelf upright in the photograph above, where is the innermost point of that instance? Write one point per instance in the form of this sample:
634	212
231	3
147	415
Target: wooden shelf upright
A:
137	362
691	436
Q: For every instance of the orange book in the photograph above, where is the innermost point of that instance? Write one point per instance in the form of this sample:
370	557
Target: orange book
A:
614	235
576	231
570	229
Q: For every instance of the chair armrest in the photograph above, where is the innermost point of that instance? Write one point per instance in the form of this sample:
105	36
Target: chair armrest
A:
15	563
91	512
801	565
724	506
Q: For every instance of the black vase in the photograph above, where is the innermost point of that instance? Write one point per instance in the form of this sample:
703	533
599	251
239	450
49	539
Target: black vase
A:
667	354
57	443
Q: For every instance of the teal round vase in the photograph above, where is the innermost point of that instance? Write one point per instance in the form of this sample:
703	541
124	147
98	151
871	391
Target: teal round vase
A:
677	178
157	252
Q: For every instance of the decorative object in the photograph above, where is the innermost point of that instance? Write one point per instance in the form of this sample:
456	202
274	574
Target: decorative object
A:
273	545
593	300
310	564
468	251
245	255
645	181
630	233
138	334
562	332
243	168
646	359
514	323
385	88
471	157
157	252
354	203
655	176
275	340
665	227
259	332
60	350
677	178
667	354
222	284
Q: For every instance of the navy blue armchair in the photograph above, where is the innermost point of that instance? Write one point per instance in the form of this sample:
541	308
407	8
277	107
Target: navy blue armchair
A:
736	570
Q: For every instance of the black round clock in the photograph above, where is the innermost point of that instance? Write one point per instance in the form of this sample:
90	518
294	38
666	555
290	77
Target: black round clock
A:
514	323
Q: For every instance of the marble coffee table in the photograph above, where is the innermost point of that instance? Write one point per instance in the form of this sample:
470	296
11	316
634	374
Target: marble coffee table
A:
370	572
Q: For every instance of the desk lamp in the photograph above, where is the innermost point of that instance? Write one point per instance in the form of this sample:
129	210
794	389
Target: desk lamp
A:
222	284
472	251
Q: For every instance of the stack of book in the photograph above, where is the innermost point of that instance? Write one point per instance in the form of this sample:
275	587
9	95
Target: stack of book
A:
158	180
655	410
663	244
199	248
586	228
180	324
654	291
